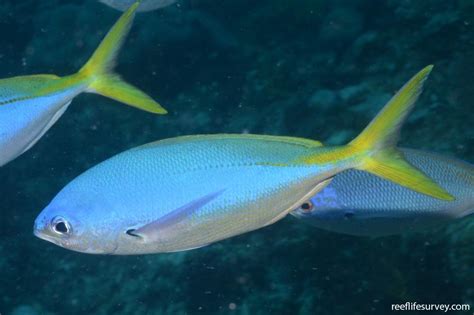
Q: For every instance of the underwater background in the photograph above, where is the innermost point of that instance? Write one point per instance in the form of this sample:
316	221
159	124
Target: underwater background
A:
308	68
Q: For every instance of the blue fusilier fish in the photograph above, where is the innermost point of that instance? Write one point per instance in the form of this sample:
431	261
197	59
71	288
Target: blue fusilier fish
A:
359	203
187	192
30	105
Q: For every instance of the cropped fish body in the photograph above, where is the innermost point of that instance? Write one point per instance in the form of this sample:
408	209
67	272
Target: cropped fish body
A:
187	192
145	5
30	105
358	203
24	118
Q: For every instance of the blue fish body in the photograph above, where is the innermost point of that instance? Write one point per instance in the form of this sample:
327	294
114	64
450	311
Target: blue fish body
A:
167	181
358	203
25	118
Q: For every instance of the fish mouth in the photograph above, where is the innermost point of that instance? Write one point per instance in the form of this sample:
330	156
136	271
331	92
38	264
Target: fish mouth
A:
45	237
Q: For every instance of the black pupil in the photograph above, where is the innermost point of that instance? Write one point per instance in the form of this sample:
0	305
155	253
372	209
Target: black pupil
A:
306	206
61	227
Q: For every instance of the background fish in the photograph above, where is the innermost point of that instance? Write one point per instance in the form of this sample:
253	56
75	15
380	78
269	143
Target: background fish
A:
30	105
187	192
358	203
145	5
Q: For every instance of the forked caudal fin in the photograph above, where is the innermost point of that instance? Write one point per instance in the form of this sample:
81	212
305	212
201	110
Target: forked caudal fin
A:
380	137
99	68
374	149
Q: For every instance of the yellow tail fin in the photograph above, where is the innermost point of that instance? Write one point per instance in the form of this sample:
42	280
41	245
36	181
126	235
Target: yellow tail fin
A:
379	138
99	68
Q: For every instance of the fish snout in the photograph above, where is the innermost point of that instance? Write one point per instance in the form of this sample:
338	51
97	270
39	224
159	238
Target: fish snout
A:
39	226
41	230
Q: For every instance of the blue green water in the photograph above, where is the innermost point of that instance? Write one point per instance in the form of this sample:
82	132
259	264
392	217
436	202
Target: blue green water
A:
310	68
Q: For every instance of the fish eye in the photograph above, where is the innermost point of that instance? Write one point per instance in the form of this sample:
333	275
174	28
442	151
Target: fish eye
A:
308	206
60	226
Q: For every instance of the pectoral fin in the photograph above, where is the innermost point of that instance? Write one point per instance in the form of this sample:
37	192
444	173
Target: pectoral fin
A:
151	232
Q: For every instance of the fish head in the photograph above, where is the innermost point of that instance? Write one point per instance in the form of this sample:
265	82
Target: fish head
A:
77	224
324	206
